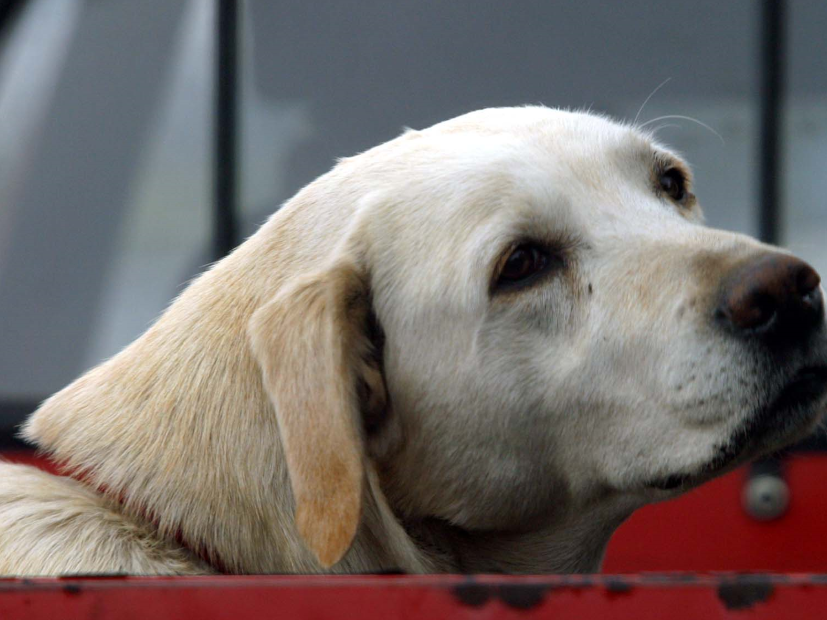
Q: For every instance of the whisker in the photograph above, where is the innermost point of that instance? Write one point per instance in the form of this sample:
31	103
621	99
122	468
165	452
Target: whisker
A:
659	127
645	101
685	118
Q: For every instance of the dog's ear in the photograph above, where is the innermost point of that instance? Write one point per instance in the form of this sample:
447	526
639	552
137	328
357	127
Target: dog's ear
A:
320	370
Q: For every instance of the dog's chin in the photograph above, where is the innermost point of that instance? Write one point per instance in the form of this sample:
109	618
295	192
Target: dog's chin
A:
789	417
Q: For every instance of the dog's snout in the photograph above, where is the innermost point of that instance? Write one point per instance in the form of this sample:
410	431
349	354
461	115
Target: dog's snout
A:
773	295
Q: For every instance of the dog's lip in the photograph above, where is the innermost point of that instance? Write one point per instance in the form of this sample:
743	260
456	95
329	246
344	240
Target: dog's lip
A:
806	388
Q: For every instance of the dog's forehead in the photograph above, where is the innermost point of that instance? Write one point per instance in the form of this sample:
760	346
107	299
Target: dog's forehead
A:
541	149
501	163
563	133
516	119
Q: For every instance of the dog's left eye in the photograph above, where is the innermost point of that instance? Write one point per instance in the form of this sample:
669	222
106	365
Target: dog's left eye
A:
524	262
673	184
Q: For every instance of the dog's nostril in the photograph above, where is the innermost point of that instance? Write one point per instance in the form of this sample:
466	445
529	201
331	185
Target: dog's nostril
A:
748	312
761	313
808	280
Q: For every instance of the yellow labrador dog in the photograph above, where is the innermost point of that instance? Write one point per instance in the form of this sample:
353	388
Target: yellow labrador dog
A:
477	347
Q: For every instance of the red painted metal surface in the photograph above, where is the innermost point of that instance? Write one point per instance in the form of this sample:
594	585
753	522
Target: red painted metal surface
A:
432	597
708	530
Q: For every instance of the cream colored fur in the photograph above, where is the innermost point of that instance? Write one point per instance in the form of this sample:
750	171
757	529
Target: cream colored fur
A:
344	392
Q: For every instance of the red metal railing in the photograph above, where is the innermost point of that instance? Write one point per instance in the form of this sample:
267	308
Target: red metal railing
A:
433	597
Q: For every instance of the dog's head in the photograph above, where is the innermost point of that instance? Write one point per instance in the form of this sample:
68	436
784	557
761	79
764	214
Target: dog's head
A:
525	315
512	323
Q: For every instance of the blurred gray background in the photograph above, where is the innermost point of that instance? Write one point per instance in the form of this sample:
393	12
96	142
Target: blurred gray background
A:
106	134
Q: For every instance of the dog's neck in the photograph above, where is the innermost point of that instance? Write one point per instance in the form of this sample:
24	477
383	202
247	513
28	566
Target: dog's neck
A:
573	544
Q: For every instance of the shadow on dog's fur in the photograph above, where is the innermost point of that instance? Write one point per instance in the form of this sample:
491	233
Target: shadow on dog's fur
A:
354	389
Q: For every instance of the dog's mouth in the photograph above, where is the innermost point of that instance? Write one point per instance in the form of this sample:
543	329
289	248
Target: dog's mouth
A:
789	417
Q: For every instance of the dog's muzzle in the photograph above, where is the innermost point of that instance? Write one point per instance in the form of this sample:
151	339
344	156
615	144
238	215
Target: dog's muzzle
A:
774	306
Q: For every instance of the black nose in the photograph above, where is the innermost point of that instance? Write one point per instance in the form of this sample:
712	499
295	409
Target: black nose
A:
773	296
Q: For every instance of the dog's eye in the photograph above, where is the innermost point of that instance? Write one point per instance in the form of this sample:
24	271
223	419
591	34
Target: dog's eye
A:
523	263
673	184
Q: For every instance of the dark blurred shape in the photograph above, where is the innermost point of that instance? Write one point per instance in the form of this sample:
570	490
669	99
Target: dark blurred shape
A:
226	129
9	9
771	98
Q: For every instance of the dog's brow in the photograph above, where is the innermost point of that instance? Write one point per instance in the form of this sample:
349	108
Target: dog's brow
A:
665	161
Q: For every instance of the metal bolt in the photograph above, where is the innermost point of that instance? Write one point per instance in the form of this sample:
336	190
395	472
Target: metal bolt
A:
766	497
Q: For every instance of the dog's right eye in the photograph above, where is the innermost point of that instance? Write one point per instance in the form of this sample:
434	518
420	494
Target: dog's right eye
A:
522	266
673	184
